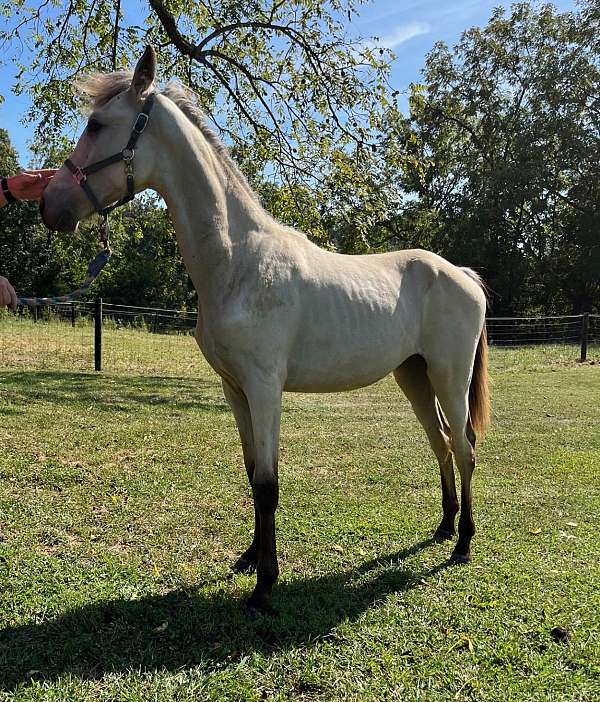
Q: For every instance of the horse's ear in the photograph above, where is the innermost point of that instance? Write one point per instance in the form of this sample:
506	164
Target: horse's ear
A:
144	73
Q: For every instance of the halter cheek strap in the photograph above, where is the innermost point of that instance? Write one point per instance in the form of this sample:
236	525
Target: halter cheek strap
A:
126	155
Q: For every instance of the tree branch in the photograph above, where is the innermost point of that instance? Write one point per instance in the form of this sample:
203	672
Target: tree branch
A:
170	26
116	35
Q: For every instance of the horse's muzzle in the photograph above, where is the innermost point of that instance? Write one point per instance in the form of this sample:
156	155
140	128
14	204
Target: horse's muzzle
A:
64	221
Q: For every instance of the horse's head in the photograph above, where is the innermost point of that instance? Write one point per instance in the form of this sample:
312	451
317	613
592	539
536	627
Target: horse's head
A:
117	100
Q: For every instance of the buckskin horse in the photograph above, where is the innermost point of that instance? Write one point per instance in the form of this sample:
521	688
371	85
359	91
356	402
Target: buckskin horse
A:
276	312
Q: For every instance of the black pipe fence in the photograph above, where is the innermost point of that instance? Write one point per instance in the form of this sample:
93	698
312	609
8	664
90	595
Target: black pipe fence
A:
99	335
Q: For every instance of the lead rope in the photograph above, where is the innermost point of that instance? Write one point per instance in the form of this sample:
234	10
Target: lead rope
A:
94	269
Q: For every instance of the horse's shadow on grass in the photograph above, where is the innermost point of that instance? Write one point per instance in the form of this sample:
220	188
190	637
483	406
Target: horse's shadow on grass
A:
182	629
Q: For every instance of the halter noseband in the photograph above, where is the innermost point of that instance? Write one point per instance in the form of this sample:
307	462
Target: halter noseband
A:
126	155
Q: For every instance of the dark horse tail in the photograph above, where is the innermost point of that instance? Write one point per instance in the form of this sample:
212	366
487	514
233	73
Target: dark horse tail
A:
479	390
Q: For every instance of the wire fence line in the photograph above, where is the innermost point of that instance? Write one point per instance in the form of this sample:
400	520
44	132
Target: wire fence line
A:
147	340
133	340
515	331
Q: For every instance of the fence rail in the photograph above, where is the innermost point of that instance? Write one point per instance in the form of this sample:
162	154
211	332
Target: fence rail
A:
94	334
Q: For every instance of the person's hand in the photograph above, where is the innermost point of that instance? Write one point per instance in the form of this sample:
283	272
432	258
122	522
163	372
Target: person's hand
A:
30	185
8	296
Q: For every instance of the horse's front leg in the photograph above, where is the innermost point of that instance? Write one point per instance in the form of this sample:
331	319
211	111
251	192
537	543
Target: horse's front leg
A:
246	563
264	401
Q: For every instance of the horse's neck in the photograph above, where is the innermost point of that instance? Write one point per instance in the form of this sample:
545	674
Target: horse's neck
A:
212	213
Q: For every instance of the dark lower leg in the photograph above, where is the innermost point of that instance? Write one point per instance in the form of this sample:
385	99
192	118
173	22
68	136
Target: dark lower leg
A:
449	500
466	526
266	497
246	563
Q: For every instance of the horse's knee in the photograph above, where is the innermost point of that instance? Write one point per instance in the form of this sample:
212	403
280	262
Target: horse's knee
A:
464	454
442	447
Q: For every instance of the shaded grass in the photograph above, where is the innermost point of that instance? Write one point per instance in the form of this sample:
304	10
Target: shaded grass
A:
123	503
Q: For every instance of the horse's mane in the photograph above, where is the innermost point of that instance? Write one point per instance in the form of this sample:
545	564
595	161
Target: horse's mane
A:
100	88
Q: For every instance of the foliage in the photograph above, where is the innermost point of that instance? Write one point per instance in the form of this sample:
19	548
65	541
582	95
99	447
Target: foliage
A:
148	269
507	128
282	79
24	252
495	164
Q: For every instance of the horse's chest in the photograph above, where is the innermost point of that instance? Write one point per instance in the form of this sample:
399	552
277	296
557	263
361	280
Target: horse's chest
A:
212	345
226	342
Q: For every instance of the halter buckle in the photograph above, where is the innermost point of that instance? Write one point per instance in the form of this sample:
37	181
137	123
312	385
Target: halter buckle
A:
141	122
127	155
104	232
79	176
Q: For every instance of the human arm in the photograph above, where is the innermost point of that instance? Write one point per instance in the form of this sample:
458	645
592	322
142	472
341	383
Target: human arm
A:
28	185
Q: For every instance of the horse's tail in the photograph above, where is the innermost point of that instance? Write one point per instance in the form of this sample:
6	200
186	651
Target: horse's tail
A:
479	391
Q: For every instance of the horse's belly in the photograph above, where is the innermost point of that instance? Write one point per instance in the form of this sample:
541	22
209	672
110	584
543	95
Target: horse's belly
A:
332	382
350	338
345	365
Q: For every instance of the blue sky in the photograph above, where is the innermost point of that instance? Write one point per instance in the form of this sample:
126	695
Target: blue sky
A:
409	27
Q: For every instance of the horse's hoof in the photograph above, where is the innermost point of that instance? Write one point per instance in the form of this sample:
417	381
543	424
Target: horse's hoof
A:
251	612
443	534
253	609
243	565
460	558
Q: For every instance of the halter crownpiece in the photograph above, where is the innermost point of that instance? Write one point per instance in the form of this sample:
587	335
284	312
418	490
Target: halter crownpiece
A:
126	155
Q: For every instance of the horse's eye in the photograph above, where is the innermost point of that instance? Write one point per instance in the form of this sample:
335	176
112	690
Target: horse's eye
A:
93	125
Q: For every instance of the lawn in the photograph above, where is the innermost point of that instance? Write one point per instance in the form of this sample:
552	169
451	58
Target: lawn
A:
123	503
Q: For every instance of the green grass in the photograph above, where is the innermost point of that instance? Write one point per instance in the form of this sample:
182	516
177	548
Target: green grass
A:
56	345
123	503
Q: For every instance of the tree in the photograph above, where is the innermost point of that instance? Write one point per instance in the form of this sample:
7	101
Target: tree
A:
24	254
282	80
147	268
505	134
494	166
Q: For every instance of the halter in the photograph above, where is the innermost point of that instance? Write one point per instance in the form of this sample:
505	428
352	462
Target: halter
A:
126	155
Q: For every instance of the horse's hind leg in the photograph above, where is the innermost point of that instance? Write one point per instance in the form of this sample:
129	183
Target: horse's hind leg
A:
451	385
411	376
246	563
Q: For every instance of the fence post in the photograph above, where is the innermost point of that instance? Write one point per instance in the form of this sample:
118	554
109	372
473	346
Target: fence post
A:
98	334
585	325
72	314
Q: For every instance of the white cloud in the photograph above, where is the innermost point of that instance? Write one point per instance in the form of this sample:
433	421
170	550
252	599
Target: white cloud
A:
402	34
